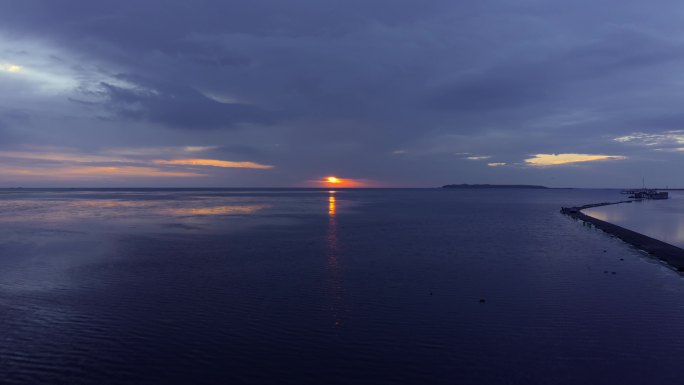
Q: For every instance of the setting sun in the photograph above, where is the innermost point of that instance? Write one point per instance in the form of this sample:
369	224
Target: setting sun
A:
337	182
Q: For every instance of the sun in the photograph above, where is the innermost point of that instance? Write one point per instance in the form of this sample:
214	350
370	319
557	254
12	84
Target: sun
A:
335	182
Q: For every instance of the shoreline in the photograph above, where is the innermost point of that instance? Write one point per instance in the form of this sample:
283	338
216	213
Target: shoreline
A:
672	255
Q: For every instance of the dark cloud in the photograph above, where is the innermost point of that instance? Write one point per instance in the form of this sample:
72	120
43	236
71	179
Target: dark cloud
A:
558	75
241	151
6	136
135	24
11	123
490	92
666	122
180	107
14	115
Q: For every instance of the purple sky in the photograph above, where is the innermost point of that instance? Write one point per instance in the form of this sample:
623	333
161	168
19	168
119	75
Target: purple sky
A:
380	93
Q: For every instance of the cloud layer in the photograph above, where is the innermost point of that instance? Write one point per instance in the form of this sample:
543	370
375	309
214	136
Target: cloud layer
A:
393	92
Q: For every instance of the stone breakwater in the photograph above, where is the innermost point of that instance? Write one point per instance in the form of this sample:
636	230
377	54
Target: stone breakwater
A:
672	255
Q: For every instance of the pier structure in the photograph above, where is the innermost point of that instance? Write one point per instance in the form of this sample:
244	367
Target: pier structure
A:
672	255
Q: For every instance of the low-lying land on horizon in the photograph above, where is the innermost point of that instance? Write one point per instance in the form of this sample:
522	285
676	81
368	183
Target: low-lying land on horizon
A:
519	186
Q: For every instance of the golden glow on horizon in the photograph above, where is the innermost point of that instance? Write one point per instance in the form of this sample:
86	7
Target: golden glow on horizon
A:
337	182
560	159
212	163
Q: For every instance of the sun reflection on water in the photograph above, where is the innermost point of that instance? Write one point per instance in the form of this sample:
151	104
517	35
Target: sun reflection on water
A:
332	205
334	271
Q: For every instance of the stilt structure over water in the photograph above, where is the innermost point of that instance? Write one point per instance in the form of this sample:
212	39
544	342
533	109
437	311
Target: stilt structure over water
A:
645	193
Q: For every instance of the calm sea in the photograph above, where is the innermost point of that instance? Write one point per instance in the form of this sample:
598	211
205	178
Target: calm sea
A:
315	287
660	219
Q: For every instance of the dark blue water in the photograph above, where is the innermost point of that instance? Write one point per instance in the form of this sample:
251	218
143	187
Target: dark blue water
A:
659	219
313	287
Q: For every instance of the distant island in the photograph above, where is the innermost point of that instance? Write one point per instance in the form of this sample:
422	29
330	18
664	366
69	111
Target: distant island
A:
518	186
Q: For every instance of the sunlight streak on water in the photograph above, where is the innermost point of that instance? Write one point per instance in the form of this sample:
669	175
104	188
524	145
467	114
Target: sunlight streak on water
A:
332	205
334	271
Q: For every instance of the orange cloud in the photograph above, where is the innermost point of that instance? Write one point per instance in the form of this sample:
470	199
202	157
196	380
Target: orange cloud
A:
67	164
560	159
66	173
59	156
129	171
213	163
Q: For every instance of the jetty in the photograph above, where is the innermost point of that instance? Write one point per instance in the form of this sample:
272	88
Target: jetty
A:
672	255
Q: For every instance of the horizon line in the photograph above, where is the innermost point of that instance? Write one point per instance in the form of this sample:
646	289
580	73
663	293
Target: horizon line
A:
302	188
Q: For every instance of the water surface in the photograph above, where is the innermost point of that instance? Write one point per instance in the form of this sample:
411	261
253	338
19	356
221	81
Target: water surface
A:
659	219
314	287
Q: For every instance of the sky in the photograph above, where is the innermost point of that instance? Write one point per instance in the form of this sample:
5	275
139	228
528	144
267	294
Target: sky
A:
386	93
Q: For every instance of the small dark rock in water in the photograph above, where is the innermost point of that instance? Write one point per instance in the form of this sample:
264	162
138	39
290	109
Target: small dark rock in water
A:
605	251
430	293
613	273
482	300
622	259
